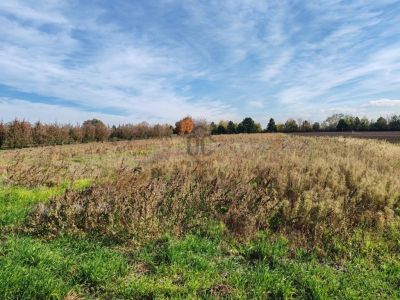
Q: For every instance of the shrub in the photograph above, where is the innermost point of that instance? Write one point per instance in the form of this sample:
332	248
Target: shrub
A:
19	134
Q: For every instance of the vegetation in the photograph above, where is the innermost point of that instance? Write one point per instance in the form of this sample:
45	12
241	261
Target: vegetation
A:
272	126
293	217
184	126
21	134
337	122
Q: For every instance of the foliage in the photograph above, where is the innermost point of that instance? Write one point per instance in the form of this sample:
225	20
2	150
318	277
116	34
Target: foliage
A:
222	128
231	128
271	127
380	124
248	126
343	125
291	125
3	134
316	126
20	134
94	130
306	126
184	126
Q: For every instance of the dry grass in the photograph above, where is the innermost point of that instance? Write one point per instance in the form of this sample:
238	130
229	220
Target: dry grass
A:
389	136
311	189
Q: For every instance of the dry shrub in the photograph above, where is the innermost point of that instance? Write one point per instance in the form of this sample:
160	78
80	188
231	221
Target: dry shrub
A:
307	188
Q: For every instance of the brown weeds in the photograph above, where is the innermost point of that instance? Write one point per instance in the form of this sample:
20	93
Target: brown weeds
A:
308	188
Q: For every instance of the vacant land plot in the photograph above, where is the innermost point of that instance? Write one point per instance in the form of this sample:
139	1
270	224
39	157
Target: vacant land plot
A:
263	216
390	136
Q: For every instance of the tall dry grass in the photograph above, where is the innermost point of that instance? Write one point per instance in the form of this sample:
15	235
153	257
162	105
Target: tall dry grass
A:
311	189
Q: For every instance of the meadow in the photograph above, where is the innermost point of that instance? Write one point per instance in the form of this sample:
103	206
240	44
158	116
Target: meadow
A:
390	136
259	216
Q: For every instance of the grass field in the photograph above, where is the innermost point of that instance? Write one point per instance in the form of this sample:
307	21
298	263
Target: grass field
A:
262	216
390	136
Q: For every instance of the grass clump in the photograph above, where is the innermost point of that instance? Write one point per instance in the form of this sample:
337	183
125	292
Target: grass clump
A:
33	269
16	202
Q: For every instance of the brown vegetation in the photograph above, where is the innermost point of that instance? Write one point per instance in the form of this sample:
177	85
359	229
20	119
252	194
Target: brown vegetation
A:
184	126
312	189
21	134
390	136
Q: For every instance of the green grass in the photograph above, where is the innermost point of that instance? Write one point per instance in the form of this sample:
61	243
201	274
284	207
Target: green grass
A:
201	265
16	202
33	269
191	267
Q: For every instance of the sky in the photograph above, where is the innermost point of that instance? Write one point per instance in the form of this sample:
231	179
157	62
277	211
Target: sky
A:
158	61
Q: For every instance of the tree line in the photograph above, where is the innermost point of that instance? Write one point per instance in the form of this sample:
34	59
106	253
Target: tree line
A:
336	122
21	133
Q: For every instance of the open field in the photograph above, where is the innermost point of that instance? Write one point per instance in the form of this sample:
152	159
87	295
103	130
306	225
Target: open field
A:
390	136
261	216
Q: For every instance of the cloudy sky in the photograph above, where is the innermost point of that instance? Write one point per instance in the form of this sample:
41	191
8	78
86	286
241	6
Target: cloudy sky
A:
129	61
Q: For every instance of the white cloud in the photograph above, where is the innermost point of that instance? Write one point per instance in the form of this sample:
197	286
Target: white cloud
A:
276	67
10	108
117	72
344	54
384	103
31	111
256	104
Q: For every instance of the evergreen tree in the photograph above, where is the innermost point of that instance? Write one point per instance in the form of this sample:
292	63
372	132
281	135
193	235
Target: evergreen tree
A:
221	129
213	128
248	126
231	128
271	127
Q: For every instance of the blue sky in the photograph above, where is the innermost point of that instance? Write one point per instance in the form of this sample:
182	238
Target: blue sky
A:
158	61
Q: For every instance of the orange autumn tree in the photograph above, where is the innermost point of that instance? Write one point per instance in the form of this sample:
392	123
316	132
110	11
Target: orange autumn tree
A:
184	126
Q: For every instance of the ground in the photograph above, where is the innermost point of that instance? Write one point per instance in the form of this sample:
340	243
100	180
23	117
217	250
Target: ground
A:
263	216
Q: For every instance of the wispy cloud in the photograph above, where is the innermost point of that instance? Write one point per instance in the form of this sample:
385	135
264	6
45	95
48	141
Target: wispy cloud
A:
384	103
256	104
276	67
161	61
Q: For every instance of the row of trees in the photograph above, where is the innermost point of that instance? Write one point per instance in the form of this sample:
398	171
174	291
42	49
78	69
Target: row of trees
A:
248	125
337	122
340	122
20	133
